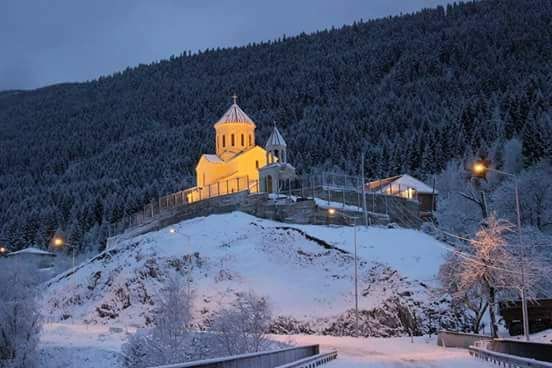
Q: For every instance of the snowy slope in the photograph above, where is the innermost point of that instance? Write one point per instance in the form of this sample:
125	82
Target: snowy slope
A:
305	270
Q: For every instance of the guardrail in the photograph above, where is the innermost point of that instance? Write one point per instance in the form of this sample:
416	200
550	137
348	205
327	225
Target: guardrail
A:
507	360
265	359
452	339
526	349
312	362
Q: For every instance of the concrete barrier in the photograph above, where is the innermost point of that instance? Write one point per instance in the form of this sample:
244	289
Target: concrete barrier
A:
265	359
526	349
451	339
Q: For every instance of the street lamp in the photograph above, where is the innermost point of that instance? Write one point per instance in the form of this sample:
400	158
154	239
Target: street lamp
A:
480	169
3	250
332	212
58	241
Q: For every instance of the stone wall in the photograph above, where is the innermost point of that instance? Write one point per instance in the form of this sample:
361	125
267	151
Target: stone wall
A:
283	209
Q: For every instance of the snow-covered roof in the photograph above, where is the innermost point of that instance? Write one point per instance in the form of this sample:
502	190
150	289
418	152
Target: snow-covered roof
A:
235	115
32	250
275	138
401	181
212	158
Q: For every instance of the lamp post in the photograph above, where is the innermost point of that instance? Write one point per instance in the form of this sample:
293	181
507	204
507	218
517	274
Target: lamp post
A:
58	241
480	169
3	250
333	212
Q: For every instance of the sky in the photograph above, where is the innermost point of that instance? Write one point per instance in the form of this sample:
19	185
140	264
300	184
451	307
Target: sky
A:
51	41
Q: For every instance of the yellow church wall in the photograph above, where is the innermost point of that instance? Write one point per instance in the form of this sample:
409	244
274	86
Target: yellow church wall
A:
237	174
234	138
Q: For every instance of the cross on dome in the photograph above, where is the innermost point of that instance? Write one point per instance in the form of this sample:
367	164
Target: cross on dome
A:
235	99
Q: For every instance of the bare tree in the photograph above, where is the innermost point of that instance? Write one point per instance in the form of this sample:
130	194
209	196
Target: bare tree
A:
242	327
169	341
20	321
470	303
490	266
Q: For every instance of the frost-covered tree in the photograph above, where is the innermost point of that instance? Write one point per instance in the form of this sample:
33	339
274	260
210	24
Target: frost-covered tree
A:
20	320
470	304
535	196
242	327
169	340
488	267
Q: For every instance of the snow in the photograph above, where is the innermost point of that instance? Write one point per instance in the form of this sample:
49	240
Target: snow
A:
406	181
238	252
543	336
387	352
80	346
32	250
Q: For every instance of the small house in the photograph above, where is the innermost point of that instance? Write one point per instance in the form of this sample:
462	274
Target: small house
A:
407	187
31	255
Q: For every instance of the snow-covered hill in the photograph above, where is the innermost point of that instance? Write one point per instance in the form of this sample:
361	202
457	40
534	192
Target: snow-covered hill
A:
305	270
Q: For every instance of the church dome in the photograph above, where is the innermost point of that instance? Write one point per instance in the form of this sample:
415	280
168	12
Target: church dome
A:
234	115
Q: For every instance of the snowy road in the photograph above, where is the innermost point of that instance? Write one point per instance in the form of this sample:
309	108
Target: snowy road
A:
387	353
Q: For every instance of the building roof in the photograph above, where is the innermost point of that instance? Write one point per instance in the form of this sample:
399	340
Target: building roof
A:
275	138
32	250
234	115
212	158
400	181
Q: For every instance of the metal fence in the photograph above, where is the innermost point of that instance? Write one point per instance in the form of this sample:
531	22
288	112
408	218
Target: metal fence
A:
181	198
334	190
265	359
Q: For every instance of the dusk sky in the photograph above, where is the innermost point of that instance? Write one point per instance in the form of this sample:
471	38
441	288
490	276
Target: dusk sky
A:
52	41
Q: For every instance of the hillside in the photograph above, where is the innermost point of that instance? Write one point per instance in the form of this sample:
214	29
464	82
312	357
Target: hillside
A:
305	271
412	92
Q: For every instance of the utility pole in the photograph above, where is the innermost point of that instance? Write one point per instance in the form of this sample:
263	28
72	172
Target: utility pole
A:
363	190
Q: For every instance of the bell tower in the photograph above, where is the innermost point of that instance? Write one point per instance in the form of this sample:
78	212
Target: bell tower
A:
235	132
276	147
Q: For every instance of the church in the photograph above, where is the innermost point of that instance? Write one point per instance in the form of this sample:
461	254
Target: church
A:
238	163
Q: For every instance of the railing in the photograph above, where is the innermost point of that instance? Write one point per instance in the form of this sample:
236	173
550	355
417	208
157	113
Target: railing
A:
185	197
506	360
451	339
265	359
311	362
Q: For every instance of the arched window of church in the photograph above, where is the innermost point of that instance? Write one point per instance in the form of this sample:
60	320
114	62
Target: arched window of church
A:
250	140
257	164
243	140
232	140
276	153
223	141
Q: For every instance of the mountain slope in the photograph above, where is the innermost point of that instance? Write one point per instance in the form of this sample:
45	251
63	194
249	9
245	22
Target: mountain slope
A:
306	272
412	91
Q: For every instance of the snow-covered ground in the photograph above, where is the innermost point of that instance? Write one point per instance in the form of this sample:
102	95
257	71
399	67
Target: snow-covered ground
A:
80	346
387	352
305	270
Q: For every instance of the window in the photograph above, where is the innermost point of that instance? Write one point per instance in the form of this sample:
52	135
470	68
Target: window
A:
243	140
257	164
223	141
250	140
232	140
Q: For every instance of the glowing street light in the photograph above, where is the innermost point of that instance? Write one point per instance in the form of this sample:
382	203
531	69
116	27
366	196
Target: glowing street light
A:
58	241
3	250
172	230
332	212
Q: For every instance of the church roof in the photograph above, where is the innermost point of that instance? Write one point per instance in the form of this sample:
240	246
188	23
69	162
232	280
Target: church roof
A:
235	115
275	138
212	158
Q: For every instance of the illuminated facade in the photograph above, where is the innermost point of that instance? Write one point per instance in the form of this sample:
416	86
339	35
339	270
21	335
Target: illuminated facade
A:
236	163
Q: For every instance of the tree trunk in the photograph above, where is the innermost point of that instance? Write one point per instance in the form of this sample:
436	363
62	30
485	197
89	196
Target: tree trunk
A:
492	313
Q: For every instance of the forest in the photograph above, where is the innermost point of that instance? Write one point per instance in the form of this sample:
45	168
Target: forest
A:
419	93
